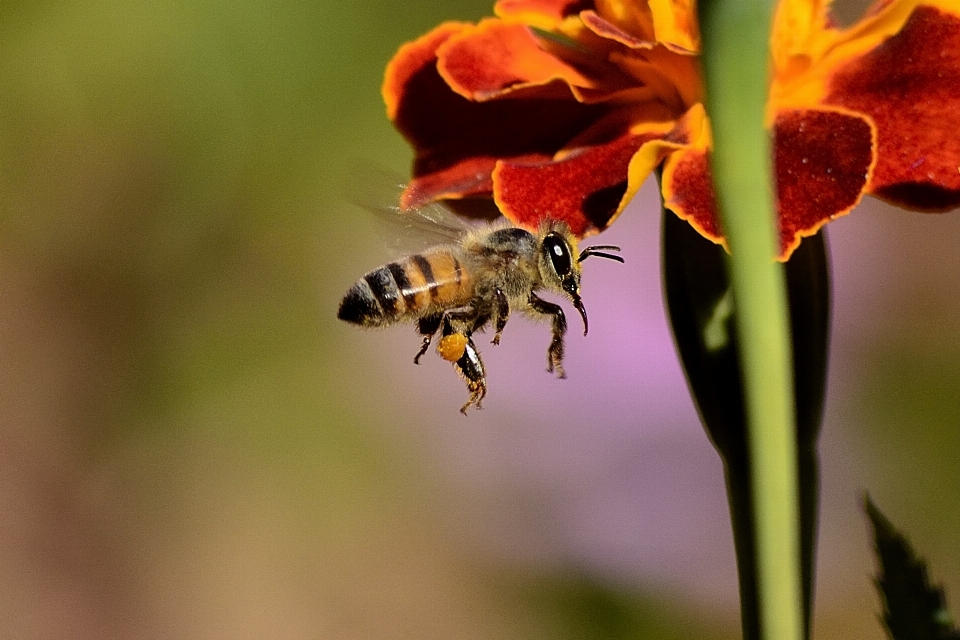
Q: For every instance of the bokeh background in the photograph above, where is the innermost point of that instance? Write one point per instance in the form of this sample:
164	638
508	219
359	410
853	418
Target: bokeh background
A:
191	446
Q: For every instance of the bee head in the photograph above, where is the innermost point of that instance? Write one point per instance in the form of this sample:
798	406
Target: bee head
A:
560	270
560	266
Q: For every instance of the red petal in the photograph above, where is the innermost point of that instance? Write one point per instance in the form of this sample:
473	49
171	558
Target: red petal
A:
910	88
823	159
458	141
688	191
411	59
471	177
584	189
822	162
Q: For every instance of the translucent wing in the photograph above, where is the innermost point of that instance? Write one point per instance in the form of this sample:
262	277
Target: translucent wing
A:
434	222
378	192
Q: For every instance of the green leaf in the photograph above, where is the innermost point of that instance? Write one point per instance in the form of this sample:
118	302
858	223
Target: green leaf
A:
912	608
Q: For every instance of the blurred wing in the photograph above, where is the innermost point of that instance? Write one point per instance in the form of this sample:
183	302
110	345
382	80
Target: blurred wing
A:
378	191
436	221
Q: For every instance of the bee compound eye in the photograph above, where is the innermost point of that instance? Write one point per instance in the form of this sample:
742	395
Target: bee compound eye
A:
556	248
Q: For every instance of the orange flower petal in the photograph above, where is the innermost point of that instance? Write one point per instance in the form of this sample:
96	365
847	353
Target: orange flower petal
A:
606	29
410	59
635	18
541	13
797	25
671	23
497	57
910	88
458	141
585	189
823	160
675	24
807	48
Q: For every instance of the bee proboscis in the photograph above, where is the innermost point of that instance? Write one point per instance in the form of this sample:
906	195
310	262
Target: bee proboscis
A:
477	279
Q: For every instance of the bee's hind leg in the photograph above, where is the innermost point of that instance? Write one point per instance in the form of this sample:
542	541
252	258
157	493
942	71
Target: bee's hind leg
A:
456	345
470	368
464	320
427	326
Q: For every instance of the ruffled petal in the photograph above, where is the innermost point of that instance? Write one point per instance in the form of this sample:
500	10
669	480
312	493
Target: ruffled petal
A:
675	24
458	141
670	23
410	60
496	57
606	29
635	18
910	88
585	189
670	78
467	178
807	47
822	161
589	186
687	187
796	25
686	183
543	14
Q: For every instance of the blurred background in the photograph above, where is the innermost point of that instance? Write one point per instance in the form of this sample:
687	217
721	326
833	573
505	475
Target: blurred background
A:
192	446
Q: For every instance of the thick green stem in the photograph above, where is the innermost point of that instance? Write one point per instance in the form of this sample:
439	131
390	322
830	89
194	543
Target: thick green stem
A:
735	58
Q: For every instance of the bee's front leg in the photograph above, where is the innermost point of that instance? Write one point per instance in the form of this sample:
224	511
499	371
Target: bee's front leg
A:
470	368
427	326
501	313
555	350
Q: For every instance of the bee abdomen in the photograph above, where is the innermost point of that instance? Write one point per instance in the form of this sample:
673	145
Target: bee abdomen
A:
373	300
360	306
401	289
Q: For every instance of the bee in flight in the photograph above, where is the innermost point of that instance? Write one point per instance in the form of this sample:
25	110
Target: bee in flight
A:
477	278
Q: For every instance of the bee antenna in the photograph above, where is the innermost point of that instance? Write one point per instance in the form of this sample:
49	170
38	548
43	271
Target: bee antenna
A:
595	251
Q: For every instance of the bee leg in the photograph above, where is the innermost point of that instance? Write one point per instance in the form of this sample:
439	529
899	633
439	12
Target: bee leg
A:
501	312
555	350
427	326
456	345
470	368
464	320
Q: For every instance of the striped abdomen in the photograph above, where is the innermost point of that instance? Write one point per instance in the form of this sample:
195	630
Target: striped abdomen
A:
408	288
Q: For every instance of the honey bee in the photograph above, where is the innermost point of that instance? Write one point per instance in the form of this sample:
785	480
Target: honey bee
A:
476	279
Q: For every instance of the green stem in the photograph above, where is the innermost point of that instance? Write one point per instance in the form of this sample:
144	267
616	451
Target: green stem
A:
735	55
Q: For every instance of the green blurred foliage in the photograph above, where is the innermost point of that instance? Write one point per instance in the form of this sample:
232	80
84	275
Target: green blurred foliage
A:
183	454
576	607
185	449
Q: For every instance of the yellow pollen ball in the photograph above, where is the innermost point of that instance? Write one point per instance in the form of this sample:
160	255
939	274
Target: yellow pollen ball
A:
451	347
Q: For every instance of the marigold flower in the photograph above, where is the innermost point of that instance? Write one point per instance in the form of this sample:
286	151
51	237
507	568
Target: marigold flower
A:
562	108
